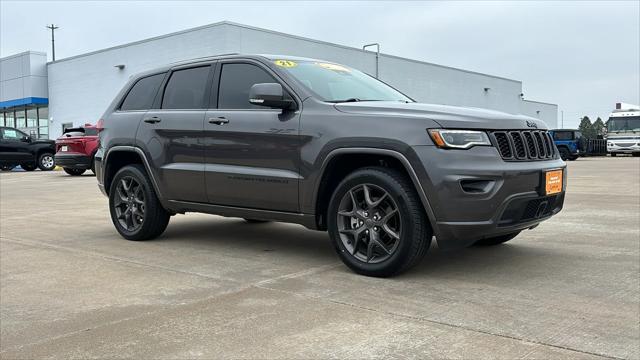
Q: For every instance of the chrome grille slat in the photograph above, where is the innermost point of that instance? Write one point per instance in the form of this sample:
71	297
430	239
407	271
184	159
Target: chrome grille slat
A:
524	145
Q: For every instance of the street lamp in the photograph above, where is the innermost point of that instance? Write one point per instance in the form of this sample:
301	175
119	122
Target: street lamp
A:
377	54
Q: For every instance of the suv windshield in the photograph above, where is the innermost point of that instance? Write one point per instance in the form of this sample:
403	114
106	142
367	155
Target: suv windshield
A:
339	83
631	123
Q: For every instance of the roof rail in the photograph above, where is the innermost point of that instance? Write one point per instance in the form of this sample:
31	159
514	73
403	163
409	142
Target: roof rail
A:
201	58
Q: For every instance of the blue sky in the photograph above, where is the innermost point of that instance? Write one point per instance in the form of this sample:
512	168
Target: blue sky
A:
583	56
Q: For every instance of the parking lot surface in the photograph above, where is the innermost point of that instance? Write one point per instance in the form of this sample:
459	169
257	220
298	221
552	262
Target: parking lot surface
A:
214	287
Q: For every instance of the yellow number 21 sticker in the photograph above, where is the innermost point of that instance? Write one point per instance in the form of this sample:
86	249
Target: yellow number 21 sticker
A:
286	63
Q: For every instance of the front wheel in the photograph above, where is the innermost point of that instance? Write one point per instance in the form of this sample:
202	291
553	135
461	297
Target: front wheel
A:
497	240
635	154
377	224
614	154
46	162
564	153
135	209
74	172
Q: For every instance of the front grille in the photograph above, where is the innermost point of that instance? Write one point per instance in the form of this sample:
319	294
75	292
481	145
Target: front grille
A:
524	145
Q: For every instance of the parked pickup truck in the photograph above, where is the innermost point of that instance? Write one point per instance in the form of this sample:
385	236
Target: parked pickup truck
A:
18	148
323	145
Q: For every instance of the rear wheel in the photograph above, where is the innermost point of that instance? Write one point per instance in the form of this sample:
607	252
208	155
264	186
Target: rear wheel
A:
74	172
6	167
635	154
614	154
497	240
573	158
28	166
46	162
377	224
135	209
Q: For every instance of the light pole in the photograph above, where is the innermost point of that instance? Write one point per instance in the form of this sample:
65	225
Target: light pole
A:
377	54
53	41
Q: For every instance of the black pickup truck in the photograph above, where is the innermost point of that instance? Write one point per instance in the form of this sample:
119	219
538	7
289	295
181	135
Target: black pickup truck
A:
17	148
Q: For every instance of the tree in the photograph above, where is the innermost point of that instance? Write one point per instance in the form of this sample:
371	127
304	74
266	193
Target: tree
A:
586	128
599	127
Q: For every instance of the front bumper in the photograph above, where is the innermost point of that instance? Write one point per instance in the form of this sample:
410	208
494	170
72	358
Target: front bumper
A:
73	160
474	194
634	148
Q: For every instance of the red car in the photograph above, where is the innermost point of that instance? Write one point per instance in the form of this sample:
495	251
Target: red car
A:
75	149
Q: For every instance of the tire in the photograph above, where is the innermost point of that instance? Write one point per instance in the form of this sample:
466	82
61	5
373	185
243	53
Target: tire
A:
497	240
28	166
564	153
573	158
408	222
635	154
255	221
6	167
46	162
74	172
93	165
141	199
614	154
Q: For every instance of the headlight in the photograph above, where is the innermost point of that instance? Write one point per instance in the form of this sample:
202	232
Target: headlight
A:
459	139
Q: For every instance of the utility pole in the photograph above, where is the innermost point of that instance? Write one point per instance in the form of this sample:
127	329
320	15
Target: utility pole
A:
562	119
53	41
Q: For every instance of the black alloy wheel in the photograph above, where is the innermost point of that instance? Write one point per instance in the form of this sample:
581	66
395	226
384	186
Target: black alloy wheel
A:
369	223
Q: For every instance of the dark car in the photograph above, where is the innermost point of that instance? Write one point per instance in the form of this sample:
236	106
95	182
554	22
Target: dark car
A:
326	146
570	143
76	148
18	148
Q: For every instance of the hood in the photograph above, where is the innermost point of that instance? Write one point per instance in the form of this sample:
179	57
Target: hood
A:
454	117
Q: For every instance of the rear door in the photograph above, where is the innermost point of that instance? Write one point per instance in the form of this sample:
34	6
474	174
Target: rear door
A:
252	152
172	134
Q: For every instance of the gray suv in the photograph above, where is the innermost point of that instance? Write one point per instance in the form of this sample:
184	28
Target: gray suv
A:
279	138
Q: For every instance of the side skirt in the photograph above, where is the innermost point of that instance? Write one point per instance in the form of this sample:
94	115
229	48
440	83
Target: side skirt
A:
306	220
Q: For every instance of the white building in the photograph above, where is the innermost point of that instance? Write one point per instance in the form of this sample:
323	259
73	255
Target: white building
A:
81	87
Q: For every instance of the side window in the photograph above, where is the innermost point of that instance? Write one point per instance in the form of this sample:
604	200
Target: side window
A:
12	134
186	88
236	81
141	95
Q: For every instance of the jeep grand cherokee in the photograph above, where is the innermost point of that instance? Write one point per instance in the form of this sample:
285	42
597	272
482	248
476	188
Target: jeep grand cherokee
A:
326	146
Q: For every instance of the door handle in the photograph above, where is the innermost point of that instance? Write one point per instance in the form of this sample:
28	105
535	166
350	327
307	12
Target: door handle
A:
152	120
219	120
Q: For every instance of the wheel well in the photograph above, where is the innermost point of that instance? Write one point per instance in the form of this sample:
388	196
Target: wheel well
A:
338	168
116	161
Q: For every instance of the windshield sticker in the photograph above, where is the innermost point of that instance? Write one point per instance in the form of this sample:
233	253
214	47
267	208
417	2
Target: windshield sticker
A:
286	63
334	67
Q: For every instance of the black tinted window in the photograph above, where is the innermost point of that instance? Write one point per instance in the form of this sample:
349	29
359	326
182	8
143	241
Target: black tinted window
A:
236	81
142	93
186	88
563	135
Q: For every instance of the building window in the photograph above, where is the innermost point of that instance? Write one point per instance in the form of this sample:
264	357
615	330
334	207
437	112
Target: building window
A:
43	122
65	126
9	119
21	119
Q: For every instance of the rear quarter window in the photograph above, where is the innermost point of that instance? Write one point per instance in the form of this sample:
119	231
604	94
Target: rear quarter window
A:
141	95
563	135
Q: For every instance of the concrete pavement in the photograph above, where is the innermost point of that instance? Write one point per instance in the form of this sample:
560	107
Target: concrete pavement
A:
214	287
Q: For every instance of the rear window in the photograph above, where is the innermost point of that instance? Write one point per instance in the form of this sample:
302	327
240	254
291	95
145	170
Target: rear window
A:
563	135
80	132
186	89
141	95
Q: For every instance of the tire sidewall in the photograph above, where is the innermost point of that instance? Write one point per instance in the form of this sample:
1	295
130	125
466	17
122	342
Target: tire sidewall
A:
386	182
149	194
41	166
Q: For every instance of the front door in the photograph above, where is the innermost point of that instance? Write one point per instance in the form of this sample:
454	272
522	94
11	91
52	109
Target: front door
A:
14	146
252	153
173	134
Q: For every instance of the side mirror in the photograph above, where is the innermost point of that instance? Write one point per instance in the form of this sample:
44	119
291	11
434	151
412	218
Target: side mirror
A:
269	95
26	138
